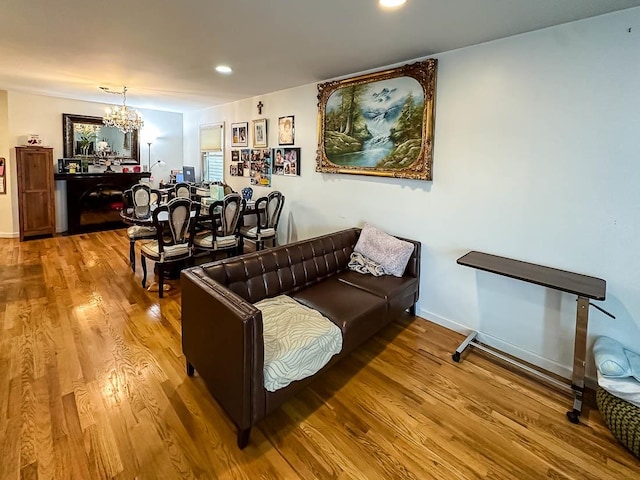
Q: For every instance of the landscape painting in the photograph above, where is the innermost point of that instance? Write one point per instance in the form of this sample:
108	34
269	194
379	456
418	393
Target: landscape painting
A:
379	124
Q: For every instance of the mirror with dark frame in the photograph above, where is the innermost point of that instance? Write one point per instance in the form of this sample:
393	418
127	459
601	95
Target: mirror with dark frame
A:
87	137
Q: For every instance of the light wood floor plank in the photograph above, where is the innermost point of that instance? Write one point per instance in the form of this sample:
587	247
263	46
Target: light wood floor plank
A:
93	386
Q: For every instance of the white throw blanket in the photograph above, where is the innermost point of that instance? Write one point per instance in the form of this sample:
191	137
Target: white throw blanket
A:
361	264
298	341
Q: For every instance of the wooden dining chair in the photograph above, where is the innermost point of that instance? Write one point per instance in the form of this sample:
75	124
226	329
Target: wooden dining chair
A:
221	226
140	195
174	223
268	210
180	190
227	189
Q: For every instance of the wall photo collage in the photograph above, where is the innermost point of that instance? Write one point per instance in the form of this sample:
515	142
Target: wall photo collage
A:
260	163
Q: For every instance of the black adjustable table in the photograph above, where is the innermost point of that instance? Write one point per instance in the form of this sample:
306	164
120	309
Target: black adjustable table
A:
583	286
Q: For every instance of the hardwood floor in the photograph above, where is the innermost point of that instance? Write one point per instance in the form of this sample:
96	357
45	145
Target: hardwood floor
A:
93	385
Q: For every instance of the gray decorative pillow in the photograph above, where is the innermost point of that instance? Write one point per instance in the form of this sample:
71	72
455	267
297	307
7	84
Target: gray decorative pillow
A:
390	252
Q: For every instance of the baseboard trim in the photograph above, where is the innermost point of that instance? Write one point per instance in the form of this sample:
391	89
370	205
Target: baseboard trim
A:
529	357
9	235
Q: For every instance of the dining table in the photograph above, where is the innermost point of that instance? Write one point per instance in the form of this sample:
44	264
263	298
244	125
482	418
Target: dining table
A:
143	215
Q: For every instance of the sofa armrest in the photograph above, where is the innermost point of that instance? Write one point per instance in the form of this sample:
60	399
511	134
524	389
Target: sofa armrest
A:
222	339
413	266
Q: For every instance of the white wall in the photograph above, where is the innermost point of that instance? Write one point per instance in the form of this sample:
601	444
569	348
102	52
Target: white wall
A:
43	115
536	158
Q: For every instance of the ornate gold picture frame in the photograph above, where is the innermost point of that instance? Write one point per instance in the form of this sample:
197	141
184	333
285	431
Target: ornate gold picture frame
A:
379	124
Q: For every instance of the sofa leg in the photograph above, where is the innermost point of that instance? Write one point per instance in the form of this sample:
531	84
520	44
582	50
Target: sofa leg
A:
190	369
243	437
412	310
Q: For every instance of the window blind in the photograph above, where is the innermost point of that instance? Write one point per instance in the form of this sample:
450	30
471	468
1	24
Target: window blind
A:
211	137
213	163
212	152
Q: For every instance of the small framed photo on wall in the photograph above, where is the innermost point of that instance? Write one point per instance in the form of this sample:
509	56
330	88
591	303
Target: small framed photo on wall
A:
239	134
292	161
286	161
236	169
260	133
286	130
245	159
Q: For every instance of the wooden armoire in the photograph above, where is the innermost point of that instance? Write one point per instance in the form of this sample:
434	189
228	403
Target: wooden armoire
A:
36	191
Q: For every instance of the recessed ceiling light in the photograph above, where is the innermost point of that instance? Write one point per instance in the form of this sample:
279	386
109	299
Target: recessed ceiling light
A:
223	69
392	3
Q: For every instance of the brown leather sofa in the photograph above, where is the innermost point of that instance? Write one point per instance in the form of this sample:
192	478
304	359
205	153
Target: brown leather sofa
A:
222	330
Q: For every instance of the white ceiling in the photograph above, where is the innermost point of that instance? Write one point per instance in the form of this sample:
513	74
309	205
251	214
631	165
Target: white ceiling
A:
165	51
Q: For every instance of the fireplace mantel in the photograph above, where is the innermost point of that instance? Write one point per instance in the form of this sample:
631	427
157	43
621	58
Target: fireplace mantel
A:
94	200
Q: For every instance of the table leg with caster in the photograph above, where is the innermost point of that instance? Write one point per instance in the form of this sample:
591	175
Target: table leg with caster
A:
579	359
463	346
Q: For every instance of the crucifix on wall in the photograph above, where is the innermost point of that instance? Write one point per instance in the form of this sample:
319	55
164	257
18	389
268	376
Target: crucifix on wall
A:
260	105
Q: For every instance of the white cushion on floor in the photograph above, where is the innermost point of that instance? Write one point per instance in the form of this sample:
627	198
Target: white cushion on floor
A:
627	388
613	360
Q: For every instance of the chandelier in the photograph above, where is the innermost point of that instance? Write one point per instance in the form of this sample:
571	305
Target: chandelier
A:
123	118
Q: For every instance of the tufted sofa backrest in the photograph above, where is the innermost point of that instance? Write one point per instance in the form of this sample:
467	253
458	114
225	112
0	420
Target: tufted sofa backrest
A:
285	269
